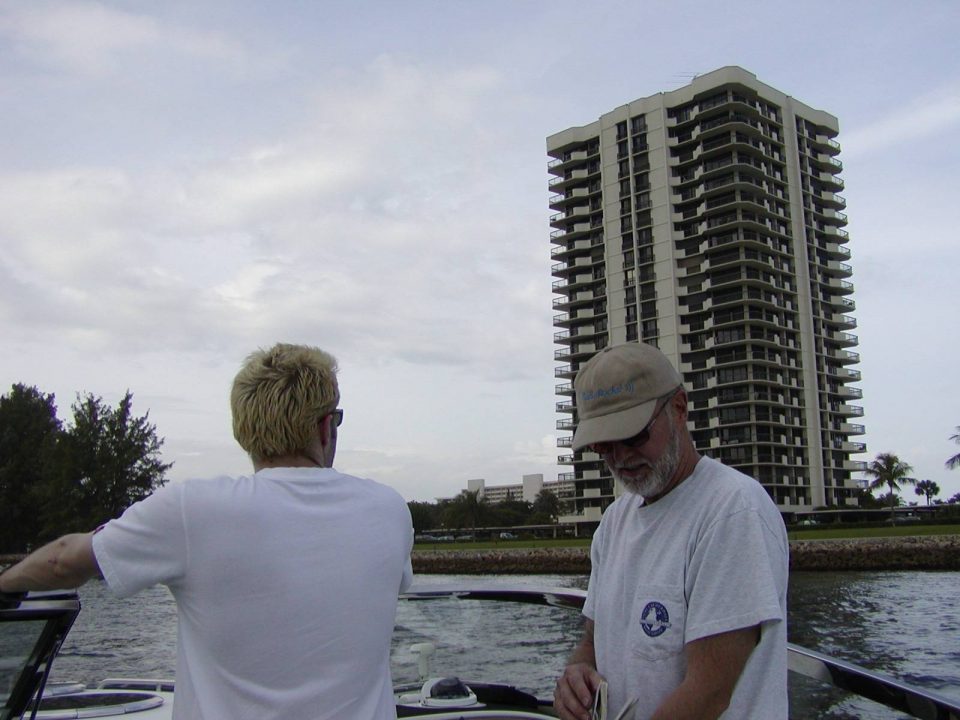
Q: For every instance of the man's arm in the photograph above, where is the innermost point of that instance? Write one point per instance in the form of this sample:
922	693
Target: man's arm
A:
67	562
573	696
714	664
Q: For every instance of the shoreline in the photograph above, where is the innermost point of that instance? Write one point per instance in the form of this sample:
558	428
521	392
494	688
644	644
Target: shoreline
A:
921	552
928	552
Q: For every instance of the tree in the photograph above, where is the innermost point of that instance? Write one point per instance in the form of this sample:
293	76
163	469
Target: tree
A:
466	510
425	515
890	471
928	488
954	462
868	500
508	513
954	499
107	460
29	430
546	506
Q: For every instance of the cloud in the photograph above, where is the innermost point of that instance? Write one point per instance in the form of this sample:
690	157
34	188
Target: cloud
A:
89	38
933	112
370	228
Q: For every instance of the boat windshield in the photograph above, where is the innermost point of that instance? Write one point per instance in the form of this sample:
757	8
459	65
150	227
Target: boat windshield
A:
30	634
442	632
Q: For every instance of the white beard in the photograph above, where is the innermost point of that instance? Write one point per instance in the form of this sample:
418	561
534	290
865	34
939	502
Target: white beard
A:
659	473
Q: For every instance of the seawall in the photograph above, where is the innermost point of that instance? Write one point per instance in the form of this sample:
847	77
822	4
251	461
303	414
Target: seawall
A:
932	552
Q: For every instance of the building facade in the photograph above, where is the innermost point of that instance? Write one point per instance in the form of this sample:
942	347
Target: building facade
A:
706	221
526	491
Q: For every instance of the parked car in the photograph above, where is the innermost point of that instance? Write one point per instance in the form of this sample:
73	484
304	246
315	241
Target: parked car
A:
507	536
464	538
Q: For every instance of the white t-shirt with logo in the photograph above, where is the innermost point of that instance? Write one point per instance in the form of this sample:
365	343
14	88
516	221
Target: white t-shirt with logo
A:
709	557
286	585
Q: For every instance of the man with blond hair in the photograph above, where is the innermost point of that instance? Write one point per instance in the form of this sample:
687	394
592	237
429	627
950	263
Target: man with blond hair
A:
686	608
286	581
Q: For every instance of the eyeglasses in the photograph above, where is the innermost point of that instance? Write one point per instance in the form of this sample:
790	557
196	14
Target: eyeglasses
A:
640	438
337	416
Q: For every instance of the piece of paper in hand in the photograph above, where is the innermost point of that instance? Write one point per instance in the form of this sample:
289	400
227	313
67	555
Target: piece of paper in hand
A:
600	702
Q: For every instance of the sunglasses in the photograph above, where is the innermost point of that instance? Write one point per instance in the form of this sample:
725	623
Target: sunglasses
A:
337	416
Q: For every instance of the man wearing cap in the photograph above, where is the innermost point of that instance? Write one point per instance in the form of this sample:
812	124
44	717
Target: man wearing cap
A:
687	604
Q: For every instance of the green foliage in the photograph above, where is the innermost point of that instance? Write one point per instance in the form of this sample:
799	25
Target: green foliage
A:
466	510
865	499
927	488
425	516
889	471
29	429
954	462
508	513
55	480
547	504
470	510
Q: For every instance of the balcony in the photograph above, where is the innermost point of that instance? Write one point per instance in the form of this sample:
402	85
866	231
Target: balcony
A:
831	180
847	322
564	389
849	393
565	441
566	406
564	371
846	375
842	338
566	424
848	410
565	459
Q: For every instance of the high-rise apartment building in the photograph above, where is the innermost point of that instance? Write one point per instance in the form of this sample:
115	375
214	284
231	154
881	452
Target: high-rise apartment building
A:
706	221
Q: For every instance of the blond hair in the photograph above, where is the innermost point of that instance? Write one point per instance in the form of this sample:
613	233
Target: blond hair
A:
279	397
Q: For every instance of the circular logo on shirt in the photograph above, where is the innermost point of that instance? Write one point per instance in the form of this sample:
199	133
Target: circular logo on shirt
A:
654	619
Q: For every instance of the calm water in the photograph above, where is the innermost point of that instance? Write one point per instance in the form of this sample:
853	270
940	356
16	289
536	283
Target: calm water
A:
905	624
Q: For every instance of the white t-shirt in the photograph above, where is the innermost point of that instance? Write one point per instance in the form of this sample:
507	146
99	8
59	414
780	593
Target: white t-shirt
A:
710	556
286	585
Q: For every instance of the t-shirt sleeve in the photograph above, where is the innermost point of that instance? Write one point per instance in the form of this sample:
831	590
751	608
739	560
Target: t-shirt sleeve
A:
736	577
146	545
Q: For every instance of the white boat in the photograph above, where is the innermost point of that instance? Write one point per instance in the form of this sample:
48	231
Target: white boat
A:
445	686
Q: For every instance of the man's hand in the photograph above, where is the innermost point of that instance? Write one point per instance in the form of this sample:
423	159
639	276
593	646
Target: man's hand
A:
573	696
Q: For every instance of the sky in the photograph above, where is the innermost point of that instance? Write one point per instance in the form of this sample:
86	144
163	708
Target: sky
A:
184	182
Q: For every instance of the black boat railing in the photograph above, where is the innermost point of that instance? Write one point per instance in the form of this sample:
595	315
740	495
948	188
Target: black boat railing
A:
874	686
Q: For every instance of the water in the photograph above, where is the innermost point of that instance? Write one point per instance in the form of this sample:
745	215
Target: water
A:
905	624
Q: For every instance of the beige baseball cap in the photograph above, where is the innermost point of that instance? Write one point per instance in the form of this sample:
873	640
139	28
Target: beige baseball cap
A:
617	392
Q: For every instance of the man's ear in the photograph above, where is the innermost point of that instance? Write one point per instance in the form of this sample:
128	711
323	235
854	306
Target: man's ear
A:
679	402
327	429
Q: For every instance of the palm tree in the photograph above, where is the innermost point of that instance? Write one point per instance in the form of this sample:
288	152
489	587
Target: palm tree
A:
928	488
954	462
889	470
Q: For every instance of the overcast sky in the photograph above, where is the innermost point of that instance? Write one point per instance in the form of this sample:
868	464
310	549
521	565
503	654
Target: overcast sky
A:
183	182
